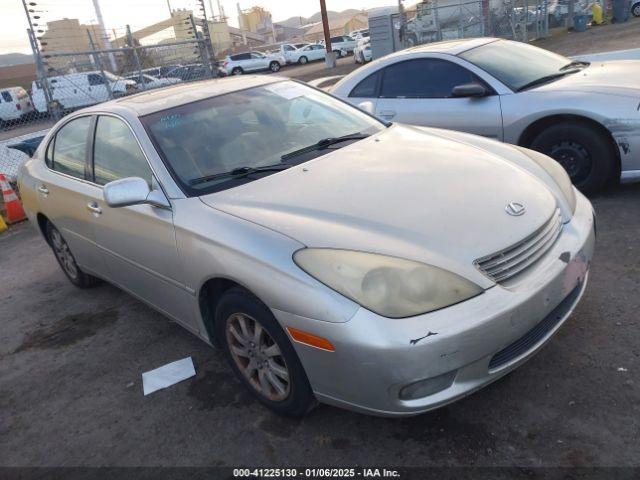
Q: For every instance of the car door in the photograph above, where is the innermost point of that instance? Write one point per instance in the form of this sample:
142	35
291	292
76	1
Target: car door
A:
137	242
259	61
65	196
97	87
419	92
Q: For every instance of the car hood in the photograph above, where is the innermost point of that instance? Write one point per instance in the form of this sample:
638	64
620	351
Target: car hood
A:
407	192
619	78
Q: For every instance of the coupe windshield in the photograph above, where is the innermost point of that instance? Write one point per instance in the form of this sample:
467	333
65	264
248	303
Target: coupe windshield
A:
238	137
516	64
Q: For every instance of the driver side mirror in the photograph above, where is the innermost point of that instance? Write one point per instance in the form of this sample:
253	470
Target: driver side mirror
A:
469	90
133	191
367	107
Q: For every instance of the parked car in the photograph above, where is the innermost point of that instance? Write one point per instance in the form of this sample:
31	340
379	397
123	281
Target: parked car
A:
253	62
310	53
362	52
583	115
15	104
162	71
188	73
149	81
288	50
360	34
77	90
342	44
383	268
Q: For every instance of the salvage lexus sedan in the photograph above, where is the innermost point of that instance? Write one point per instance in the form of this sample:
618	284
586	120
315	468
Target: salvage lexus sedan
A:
584	115
383	268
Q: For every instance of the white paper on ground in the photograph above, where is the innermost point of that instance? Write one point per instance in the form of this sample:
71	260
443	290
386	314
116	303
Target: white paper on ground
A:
167	375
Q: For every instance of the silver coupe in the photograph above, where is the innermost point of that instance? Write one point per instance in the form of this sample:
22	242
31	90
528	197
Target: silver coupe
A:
584	115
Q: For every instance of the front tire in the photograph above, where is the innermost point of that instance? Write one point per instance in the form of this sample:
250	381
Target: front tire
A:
303	60
274	67
584	152
338	53
261	355
237	71
67	261
635	9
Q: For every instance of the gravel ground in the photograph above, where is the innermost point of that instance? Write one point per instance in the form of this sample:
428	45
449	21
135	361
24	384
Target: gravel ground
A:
71	393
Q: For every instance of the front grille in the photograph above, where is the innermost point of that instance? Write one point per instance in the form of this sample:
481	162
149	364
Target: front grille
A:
515	259
537	333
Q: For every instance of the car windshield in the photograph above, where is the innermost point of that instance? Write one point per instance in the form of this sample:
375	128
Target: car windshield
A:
203	141
517	64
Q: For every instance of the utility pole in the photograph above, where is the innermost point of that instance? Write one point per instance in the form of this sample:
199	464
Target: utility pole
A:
169	7
105	36
241	24
330	58
98	63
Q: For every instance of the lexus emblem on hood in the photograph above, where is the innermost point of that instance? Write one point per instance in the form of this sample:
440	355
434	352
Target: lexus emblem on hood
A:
515	209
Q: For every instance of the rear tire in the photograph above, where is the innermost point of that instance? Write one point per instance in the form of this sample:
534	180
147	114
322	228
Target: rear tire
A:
582	150
237	71
338	53
303	60
635	9
266	362
274	67
67	261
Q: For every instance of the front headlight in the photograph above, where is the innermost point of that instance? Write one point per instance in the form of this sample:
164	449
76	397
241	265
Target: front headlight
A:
389	286
557	172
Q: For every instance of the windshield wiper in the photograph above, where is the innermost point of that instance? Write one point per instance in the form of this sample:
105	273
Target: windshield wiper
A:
240	172
575	63
546	78
324	143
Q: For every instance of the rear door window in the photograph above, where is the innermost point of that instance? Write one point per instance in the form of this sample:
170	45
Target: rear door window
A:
6	96
95	79
367	88
70	148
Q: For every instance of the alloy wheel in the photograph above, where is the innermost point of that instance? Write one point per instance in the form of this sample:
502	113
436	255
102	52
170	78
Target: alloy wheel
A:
63	254
258	357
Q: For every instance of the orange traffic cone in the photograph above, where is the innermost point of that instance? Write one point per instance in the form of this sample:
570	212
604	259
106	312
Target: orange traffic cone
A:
13	208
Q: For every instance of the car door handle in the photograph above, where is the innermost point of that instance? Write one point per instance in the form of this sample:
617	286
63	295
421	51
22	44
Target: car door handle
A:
43	190
387	113
94	208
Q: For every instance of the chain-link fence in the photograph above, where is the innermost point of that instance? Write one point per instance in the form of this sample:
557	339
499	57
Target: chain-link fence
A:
78	65
437	20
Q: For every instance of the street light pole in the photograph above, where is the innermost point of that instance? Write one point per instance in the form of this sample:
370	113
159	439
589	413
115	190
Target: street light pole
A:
330	58
105	37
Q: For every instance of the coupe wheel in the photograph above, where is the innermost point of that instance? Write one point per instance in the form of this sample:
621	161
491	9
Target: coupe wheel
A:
237	71
584	152
274	67
303	60
261	354
635	10
67	261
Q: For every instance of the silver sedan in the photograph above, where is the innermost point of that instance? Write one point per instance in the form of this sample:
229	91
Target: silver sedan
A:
584	115
382	268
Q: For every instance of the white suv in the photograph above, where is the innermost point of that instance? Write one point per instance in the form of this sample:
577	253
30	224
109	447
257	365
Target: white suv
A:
251	62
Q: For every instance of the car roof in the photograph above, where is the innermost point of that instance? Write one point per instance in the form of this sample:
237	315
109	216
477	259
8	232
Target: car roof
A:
451	47
175	95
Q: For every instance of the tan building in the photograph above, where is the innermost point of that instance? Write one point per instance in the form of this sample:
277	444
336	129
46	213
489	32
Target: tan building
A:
69	35
256	20
337	26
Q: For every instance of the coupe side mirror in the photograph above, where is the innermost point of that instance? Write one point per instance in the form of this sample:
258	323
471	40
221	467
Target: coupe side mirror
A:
367	107
469	90
133	191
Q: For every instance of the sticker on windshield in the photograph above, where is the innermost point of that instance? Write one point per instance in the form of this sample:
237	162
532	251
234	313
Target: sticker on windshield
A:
287	90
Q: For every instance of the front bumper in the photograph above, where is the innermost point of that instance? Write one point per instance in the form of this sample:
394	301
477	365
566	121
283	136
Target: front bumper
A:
375	357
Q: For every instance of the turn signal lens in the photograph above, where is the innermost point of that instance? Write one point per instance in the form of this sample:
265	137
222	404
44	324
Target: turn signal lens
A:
310	339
